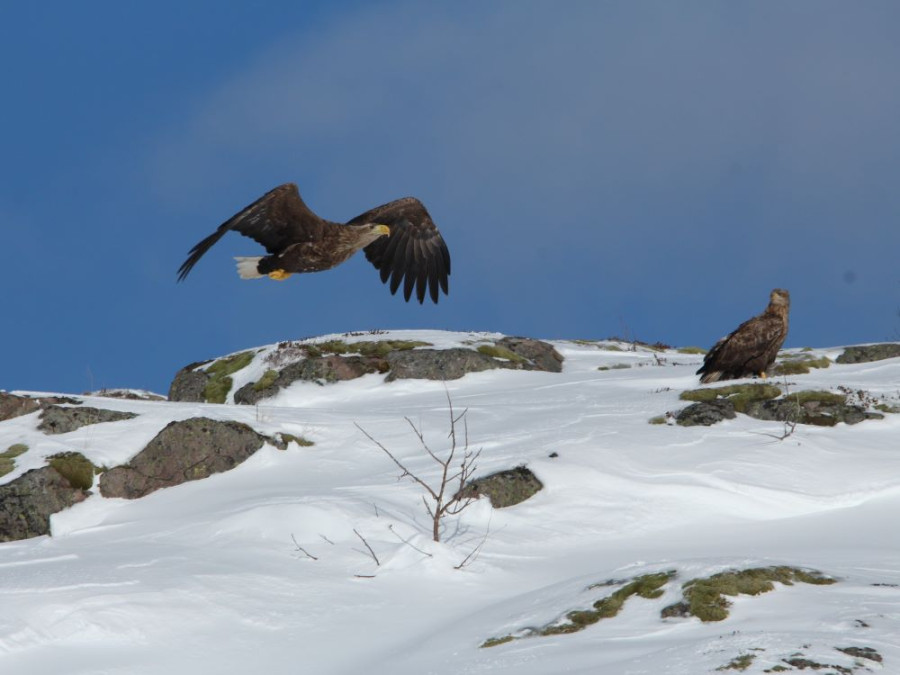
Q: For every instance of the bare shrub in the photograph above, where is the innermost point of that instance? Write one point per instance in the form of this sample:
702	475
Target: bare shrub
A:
457	465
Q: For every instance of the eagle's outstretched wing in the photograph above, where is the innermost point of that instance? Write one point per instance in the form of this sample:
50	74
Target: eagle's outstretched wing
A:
275	220
415	253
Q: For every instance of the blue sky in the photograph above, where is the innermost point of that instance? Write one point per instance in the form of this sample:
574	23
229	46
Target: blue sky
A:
643	169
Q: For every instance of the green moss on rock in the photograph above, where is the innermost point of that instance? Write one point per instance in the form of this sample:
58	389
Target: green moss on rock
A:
266	381
299	440
331	347
499	352
14	450
374	348
705	597
647	586
740	395
382	348
799	365
741	662
75	468
8	456
219	383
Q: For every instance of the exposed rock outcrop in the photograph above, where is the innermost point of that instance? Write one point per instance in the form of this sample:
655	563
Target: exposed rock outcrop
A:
438	364
505	488
706	413
541	355
12	405
821	408
766	402
189	384
183	451
322	369
866	353
57	419
336	360
27	502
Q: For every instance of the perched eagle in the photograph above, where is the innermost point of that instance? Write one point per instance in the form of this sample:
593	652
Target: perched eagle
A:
751	348
399	239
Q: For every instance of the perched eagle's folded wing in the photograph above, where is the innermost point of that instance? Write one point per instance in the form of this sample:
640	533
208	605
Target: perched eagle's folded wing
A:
414	253
276	220
756	340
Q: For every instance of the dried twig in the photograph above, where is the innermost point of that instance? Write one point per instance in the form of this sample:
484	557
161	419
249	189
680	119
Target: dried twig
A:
408	543
371	552
301	549
789	425
473	555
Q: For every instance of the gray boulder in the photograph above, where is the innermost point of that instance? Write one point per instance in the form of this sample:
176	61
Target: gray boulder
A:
27	502
823	409
190	384
183	451
866	353
60	420
438	364
512	353
706	413
322	369
541	355
505	488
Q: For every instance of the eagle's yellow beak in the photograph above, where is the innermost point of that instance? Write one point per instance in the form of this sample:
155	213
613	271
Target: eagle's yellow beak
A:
383	229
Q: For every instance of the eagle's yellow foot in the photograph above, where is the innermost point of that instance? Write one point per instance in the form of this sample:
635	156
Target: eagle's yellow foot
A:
279	275
763	375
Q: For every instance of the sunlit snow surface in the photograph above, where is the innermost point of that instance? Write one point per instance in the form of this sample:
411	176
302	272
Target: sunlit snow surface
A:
259	570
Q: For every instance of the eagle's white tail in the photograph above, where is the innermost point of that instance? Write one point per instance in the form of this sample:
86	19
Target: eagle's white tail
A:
246	267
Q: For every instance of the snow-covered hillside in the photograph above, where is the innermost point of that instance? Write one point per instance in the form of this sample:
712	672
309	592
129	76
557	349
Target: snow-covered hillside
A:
267	569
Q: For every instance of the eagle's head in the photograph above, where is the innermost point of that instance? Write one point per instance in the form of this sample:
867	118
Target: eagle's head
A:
356	237
780	298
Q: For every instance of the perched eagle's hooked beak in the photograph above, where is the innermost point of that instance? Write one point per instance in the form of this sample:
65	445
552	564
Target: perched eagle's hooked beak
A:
383	229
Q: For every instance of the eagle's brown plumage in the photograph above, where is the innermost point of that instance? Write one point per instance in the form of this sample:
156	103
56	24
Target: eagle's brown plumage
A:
751	348
297	240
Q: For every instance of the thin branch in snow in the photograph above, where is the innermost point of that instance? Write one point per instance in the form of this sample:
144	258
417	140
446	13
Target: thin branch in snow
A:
407	542
301	549
363	540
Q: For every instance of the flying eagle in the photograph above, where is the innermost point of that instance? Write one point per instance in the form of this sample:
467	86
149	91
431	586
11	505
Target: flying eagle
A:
751	348
399	239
